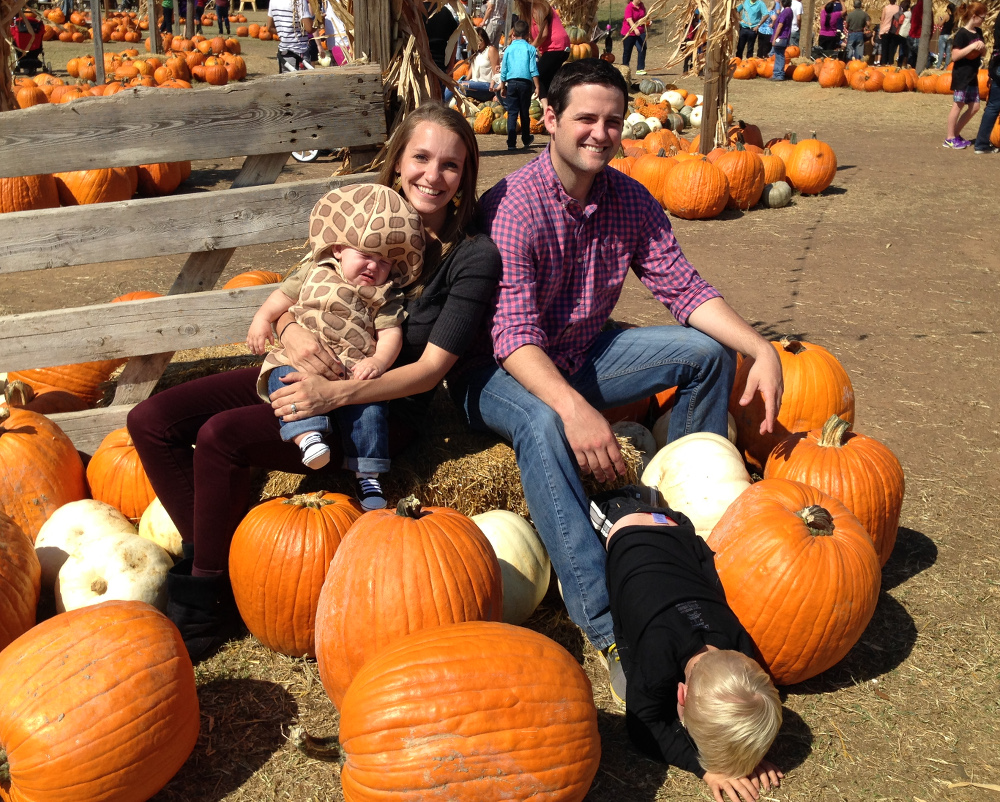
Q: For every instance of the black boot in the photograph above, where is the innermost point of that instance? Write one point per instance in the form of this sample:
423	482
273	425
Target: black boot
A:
202	608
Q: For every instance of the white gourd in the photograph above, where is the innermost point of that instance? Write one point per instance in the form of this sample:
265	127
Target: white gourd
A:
524	563
696	113
63	532
674	98
155	525
654	124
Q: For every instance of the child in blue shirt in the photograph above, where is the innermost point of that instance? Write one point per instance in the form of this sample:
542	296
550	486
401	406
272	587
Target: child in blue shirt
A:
518	79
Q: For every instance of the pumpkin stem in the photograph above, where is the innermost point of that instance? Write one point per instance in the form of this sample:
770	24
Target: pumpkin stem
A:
408	507
4	768
818	519
18	394
312	500
791	345
833	432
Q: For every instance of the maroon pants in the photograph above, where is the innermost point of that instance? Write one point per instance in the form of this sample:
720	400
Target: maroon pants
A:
206	489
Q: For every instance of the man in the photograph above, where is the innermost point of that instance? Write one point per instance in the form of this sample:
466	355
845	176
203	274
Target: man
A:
916	28
752	14
856	24
797	12
291	22
568	229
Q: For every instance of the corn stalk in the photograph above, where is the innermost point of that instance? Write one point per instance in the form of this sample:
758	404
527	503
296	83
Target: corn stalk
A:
581	13
8	10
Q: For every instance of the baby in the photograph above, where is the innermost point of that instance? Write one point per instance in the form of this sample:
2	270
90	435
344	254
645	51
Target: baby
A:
695	697
367	245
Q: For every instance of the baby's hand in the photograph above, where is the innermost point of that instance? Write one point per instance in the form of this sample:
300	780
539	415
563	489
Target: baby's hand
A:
367	369
259	335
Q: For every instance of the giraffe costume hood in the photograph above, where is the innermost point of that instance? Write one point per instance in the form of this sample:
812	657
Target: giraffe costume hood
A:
370	218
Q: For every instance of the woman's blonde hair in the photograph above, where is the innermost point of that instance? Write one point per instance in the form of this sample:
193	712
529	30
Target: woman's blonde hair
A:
732	712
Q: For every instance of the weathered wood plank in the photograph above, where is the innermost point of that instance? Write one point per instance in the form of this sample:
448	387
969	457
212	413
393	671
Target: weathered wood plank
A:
137	229
88	428
111	331
323	108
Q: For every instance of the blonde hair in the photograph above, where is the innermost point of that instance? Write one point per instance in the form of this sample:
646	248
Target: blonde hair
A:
732	712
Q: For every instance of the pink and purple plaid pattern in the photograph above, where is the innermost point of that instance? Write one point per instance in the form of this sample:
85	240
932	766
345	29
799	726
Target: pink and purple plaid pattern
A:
564	265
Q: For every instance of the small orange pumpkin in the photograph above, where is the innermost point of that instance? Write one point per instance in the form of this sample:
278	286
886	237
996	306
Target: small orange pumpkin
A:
116	476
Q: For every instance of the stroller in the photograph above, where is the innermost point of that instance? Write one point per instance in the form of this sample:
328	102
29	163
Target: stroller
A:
26	36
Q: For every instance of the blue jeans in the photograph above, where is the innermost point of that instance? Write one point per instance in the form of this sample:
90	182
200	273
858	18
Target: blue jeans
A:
779	63
944	50
622	366
635	41
855	45
518	103
364	429
477	90
795	38
990	114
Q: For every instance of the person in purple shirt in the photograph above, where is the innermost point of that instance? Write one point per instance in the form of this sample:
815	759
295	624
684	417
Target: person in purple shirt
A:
569	228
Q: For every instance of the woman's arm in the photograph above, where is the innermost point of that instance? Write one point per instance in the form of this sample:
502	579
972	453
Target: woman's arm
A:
494	56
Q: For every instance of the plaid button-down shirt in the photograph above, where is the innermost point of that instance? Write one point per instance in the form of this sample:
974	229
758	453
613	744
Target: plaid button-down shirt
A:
564	264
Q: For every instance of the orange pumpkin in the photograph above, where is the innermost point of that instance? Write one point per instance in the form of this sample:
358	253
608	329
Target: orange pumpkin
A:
812	166
696	189
832	74
42	470
853	468
471	711
395	572
774	167
278	560
28	96
117	671
252	278
27	193
159	179
816	386
651	171
801	574
116	476
745	173
100	185
20	581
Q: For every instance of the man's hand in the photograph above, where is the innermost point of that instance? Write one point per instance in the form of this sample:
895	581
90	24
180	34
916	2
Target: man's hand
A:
765	377
594	444
369	368
762	778
259	335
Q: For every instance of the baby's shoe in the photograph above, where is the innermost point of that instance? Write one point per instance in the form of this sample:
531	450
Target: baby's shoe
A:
369	492
315	453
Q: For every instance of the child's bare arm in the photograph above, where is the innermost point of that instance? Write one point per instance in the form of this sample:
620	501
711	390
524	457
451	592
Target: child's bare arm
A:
261	331
388	344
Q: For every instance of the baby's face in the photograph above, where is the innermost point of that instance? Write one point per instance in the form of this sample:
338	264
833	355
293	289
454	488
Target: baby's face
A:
364	269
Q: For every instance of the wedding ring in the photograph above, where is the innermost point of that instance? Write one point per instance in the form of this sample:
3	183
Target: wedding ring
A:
294	410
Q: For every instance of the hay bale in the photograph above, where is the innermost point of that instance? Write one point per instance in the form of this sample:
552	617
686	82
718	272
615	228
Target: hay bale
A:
450	466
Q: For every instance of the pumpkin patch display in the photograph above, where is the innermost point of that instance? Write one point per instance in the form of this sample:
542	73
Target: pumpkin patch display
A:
42	469
524	563
801	574
20	581
816	386
97	704
854	468
395	572
278	560
116	476
476	710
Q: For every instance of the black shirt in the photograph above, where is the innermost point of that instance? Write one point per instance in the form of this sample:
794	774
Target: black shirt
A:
440	27
966	70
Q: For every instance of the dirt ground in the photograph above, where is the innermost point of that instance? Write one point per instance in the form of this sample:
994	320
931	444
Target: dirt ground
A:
894	270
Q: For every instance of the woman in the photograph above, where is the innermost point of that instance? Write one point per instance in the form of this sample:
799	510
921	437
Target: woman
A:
829	27
782	38
549	38
944	38
766	30
433	161
483	69
634	35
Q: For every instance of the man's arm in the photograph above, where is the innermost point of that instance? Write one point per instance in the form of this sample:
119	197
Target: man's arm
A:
720	321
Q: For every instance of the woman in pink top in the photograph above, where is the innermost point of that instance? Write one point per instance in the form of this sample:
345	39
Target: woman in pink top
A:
634	34
549	38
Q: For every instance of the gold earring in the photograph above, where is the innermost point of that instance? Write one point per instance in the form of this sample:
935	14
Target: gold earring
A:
397	184
457	200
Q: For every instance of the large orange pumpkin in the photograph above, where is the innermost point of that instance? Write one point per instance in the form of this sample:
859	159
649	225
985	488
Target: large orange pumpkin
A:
651	170
82	380
41	469
116	476
745	173
812	166
801	574
20	581
696	189
101	185
396	572
97	703
27	193
853	468
252	278
816	386
278	560
473	711
159	179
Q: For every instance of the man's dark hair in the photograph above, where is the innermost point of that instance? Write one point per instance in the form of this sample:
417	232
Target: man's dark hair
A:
520	29
580	73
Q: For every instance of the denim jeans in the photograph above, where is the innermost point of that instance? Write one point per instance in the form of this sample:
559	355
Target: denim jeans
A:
779	63
914	47
745	42
944	50
364	429
855	45
638	42
477	90
518	103
795	38
990	114
622	366
222	17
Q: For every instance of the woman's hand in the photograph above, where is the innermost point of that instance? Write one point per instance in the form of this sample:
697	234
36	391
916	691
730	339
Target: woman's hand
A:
312	395
304	349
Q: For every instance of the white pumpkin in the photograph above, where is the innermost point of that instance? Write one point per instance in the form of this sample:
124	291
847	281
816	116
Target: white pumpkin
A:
155	525
640	437
696	113
654	124
700	474
674	98
122	566
776	195
524	563
662	425
61	535
635	117
627	131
